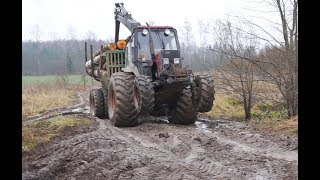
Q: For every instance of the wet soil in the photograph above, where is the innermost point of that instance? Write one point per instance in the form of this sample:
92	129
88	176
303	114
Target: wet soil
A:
155	149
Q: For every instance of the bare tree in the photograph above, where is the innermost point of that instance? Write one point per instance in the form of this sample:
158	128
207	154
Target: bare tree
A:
71	32
235	72
203	31
277	64
187	33
36	37
84	79
90	36
54	36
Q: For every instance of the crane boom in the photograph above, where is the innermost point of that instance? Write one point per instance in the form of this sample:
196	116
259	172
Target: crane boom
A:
123	16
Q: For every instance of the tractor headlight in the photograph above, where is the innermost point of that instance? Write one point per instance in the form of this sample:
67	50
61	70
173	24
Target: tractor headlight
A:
144	32
176	60
166	32
165	60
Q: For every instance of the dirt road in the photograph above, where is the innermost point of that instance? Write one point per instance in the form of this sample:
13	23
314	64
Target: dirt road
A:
158	150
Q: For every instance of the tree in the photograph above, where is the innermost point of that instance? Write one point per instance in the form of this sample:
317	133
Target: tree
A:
187	34
36	36
235	72
203	31
279	64
71	32
90	36
70	66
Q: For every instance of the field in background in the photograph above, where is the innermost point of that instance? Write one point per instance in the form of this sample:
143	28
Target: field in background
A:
72	79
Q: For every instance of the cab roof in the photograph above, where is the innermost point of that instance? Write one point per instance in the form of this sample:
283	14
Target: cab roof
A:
155	27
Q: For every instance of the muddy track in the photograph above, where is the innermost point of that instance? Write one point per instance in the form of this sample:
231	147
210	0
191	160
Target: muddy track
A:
157	150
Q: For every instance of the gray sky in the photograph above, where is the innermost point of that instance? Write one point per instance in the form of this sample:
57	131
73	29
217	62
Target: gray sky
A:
55	18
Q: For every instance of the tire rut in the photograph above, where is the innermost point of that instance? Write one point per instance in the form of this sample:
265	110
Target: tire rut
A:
206	150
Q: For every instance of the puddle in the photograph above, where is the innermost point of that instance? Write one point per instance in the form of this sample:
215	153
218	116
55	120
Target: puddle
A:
77	110
86	110
202	126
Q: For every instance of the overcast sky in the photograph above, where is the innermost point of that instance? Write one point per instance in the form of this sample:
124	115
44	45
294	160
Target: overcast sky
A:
55	18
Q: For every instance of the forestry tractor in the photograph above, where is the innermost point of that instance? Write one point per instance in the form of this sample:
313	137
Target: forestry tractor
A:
143	75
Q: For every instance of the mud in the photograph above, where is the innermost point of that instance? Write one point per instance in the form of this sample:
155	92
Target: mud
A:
209	149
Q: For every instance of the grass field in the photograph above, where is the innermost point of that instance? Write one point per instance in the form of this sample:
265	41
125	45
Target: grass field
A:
72	79
42	97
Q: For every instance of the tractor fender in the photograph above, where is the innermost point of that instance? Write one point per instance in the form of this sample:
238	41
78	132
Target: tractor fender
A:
132	69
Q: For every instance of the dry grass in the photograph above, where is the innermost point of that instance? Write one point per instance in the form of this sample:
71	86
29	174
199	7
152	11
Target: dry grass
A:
276	126
230	107
226	107
43	131
275	121
268	113
39	98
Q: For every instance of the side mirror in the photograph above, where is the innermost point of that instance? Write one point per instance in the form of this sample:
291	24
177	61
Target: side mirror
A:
182	58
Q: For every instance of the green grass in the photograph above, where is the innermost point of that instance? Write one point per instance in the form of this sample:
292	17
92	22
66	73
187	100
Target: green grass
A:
43	131
227	107
72	79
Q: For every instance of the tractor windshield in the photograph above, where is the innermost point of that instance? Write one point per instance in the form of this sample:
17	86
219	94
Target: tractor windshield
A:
160	41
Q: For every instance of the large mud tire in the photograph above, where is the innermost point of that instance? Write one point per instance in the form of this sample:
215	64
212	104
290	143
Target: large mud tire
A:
184	112
97	103
123	107
105	99
144	85
205	92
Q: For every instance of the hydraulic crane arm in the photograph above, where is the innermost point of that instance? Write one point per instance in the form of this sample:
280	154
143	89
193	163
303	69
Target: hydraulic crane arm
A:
122	15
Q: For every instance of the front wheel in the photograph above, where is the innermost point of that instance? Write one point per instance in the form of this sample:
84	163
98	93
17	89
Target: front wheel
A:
184	112
144	91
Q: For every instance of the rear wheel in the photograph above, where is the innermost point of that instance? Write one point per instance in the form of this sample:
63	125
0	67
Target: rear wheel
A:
205	92
105	100
123	106
97	103
184	112
144	89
